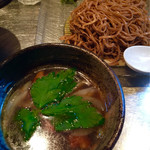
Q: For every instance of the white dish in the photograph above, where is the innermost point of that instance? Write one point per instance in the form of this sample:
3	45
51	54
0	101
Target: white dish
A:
138	58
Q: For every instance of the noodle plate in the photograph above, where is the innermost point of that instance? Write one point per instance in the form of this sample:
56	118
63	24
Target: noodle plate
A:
108	27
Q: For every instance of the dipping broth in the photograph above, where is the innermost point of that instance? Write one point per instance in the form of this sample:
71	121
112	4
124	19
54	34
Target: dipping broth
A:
45	137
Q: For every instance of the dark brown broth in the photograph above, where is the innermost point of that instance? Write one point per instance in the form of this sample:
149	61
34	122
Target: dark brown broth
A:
44	138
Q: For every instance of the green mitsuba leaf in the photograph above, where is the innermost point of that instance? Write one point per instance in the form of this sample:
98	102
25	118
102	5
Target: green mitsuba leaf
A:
53	87
28	121
72	113
48	96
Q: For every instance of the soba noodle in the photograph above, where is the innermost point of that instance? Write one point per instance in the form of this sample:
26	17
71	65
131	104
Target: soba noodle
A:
107	27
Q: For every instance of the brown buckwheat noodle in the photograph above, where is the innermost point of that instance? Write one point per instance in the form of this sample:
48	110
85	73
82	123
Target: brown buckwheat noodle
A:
108	27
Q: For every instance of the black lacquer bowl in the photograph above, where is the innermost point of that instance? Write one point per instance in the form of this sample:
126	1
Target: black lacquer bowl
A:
16	67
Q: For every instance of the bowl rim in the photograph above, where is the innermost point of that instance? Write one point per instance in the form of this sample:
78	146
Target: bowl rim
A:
119	128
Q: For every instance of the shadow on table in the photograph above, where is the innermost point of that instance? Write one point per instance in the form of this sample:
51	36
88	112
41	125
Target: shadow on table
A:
130	78
4	3
9	44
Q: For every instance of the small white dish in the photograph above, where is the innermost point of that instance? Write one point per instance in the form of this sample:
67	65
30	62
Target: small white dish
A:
138	58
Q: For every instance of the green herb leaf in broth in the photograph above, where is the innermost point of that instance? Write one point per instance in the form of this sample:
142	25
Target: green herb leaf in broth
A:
28	121
53	87
72	113
48	96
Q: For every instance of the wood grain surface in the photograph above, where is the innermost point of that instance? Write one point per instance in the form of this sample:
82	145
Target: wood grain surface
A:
21	20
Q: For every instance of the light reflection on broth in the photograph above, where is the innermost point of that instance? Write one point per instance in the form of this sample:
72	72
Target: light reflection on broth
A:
45	137
47	141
